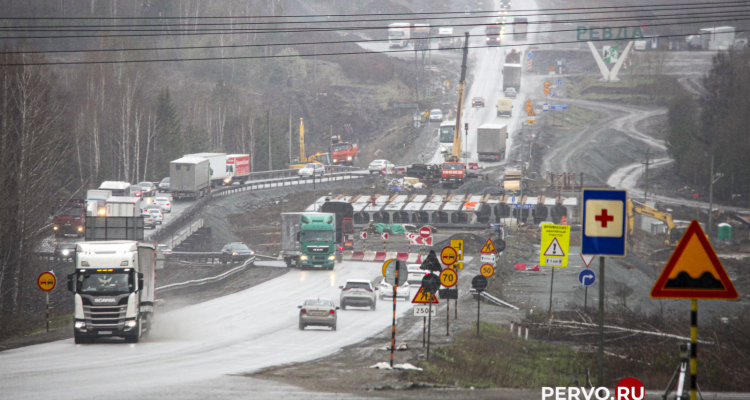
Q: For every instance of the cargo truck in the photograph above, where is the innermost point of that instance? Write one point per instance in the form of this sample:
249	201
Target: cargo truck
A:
344	222
398	34
189	177
238	168
520	27
116	188
70	218
512	70
119	206
308	240
491	142
492	35
113	286
218	166
96	201
446	39
453	174
504	107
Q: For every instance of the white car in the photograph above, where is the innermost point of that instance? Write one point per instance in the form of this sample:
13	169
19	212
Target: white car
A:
164	248
164	203
376	166
415	274
148	221
436	115
386	290
312	169
358	293
155	212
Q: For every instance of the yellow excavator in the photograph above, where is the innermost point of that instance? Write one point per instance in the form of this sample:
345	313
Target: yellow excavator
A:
320	158
674	233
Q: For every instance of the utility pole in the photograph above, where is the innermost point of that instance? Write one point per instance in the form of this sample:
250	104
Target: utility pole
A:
315	63
714	178
268	122
645	189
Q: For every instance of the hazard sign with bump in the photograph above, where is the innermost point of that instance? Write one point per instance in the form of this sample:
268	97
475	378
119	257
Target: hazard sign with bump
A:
694	271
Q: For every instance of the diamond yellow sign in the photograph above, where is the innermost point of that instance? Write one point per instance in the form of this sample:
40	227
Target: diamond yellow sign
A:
555	245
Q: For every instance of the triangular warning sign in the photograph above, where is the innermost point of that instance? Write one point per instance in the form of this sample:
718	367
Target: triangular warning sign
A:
423	297
694	271
554	249
489	247
528	103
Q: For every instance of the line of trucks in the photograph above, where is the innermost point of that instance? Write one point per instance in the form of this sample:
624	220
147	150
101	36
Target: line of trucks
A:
401	34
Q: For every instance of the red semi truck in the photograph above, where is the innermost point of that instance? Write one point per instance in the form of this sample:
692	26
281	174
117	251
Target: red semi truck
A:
70	218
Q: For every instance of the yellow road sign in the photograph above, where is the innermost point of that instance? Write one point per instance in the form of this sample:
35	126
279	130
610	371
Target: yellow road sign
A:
529	109
423	297
694	271
458	265
546	84
532	122
546	90
448	277
449	255
555	245
487	270
46	281
528	103
551	68
459	246
489	247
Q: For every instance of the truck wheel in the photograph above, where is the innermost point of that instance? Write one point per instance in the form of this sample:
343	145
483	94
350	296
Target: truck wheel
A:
131	338
81	339
298	263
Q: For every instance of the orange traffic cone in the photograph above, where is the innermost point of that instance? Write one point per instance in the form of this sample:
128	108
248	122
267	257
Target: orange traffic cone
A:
563	221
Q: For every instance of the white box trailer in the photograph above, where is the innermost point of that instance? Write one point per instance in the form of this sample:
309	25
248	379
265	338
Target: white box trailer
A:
117	188
218	164
117	206
719	38
190	177
491	142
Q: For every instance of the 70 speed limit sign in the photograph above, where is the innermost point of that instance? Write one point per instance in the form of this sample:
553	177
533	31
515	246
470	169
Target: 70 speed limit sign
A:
448	277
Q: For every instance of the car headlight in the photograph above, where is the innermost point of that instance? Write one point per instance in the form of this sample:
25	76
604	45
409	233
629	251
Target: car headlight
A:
234	253
80	229
80	325
332	257
65	252
131	324
55	228
303	257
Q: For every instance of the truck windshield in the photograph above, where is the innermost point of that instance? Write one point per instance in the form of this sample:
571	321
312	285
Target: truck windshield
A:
453	166
71	212
396	34
105	283
493	31
317	236
340	147
446	134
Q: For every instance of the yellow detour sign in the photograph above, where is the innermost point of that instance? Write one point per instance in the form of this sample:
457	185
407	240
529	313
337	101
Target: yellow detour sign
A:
459	246
449	255
532	122
489	247
448	277
423	297
487	270
46	281
555	245
694	271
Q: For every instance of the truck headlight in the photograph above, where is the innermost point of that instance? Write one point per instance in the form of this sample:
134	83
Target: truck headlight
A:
349	158
303	257
80	229
65	252
80	325
227	180
55	228
131	324
332	257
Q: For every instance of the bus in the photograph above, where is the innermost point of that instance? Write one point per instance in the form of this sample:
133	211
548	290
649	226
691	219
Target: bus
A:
445	135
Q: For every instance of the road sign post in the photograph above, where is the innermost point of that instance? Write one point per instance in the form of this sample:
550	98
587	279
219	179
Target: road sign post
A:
384	237
395	274
694	272
479	283
554	251
459	246
449	278
587	261
47	282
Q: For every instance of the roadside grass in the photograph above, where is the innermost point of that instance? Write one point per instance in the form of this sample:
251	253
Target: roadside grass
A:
631	89
574	117
500	359
27	327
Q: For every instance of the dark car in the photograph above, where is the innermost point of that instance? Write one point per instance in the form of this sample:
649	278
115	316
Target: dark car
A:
64	251
164	185
477	102
234	252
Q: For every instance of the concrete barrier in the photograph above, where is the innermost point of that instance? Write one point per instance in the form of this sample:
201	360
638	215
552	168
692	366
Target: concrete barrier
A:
402	256
347	255
358	255
379	256
369	256
391	254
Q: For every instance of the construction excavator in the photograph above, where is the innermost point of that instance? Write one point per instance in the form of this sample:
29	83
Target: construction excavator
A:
453	169
674	233
320	158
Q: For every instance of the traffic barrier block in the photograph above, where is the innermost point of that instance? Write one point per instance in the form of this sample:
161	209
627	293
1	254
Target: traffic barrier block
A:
391	254
402	256
347	255
369	256
379	256
534	268
520	267
358	255
413	258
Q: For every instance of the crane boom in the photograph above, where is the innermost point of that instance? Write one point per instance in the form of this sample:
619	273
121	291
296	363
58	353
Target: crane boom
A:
302	157
456	154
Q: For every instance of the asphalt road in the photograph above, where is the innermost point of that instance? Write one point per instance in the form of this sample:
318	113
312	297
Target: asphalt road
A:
239	333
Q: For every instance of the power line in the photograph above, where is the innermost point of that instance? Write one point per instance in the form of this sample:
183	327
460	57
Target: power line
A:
647	7
310	30
302	43
301	55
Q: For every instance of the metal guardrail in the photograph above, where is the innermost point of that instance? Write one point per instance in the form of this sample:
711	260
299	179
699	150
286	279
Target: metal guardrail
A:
202	257
206	280
175	240
287	173
497	301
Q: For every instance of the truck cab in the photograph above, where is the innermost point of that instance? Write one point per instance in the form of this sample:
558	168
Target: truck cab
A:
453	174
446	39
308	240
70	218
504	107
113	286
398	34
492	34
344	153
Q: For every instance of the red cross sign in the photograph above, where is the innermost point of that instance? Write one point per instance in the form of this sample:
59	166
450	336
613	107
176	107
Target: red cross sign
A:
604	218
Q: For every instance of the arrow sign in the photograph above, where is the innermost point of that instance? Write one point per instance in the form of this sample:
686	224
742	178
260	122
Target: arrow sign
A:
587	277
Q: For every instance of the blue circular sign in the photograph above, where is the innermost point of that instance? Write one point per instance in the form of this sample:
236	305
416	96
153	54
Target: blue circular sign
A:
531	55
587	277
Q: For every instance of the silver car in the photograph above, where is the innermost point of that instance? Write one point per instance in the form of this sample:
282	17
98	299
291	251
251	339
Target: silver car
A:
320	312
377	166
312	169
358	293
148	221
155	211
416	274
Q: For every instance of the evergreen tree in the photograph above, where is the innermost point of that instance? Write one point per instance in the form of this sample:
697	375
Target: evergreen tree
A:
169	144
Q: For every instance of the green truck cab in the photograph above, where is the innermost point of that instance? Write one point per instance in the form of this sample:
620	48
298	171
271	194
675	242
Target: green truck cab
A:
308	240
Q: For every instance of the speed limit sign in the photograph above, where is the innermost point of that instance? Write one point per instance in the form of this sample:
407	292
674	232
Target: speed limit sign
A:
448	277
487	270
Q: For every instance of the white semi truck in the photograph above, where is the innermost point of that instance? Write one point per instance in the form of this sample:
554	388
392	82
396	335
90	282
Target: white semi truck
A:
218	165
399	34
113	286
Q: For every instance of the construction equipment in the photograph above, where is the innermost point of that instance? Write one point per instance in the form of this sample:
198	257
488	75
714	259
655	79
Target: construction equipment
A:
342	152
674	233
321	158
454	171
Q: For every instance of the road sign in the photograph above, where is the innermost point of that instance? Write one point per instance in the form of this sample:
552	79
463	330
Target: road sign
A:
423	311
448	277
552	94
531	122
530	55
449	255
559	63
555	245
384	235
603	230
489	247
559	82
529	109
528	103
458	265
479	283
448	294
419	240
587	258
363	235
459	246
546	90
423	297
431	283
551	68
546	84
587	277
425	232
487	258
545	107
487	270
532	113
694	271
390	272
46	281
